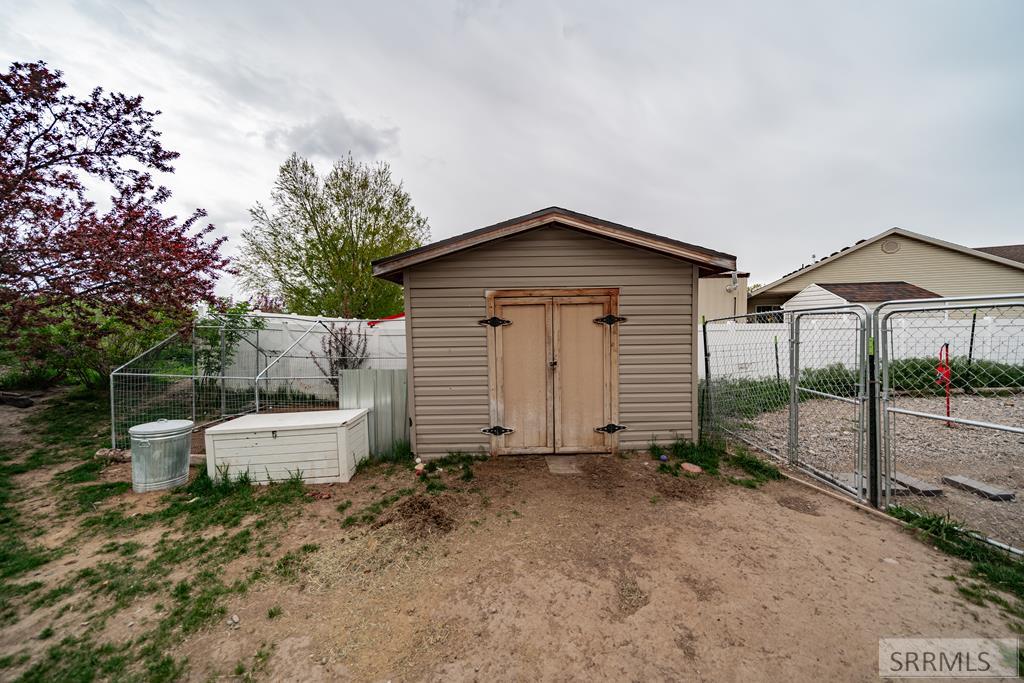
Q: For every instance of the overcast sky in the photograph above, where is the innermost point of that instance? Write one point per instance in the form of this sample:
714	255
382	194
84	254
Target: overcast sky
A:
770	130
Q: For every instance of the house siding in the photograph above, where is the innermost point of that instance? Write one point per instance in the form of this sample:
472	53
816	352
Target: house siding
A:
714	300
813	296
448	360
941	270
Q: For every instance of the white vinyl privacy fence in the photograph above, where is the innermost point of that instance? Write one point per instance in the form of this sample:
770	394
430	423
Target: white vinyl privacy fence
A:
974	332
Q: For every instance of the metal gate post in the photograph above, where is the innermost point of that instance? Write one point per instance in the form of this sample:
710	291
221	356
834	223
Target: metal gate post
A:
874	473
705	419
794	391
195	373
223	384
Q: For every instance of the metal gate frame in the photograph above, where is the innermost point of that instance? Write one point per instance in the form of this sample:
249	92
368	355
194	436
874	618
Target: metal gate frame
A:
861	482
875	456
882	315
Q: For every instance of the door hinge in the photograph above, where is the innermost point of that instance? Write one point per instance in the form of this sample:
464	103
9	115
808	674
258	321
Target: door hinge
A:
610	428
497	430
609	320
494	321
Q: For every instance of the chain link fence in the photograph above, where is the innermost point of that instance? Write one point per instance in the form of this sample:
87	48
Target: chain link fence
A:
745	392
224	367
945	417
952	402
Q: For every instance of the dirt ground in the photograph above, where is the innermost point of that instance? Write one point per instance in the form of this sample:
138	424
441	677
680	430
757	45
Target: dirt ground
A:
924	449
618	572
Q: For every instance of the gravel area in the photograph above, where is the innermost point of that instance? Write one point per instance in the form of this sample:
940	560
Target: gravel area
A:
925	449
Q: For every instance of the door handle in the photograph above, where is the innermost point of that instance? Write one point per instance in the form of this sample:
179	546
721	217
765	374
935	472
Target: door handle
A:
553	363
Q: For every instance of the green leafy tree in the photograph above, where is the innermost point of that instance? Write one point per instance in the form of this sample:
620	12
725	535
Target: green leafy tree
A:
313	245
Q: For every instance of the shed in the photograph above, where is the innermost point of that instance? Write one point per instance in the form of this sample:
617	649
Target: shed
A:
554	332
868	293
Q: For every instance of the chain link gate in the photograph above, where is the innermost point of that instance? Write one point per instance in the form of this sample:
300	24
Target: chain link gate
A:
828	407
934	422
782	382
952	411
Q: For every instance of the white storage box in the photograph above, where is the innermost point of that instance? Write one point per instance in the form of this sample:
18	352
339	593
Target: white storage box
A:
324	445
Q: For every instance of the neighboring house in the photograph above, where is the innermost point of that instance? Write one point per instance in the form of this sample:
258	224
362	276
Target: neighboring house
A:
899	255
554	332
869	294
718	297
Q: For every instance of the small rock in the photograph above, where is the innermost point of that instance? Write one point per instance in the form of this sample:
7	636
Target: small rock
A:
494	610
690	467
114	454
889	560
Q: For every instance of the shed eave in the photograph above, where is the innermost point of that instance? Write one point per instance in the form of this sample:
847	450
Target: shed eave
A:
390	268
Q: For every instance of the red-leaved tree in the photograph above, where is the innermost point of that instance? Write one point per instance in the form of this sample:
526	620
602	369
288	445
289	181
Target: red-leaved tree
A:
64	261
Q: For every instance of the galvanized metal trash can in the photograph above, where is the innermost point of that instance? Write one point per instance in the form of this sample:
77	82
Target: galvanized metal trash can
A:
160	453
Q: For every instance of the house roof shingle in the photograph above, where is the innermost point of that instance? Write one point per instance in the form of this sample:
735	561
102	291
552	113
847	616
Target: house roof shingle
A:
873	292
1014	252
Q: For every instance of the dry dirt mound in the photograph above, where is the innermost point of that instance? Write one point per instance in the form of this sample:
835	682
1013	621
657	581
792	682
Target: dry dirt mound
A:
799	504
423	515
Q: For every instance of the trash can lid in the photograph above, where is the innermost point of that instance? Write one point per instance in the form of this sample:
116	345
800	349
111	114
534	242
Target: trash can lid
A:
161	428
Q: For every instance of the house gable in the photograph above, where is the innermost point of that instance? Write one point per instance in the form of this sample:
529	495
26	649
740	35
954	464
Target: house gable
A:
900	255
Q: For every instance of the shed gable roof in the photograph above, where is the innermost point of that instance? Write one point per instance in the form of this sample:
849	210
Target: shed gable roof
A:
709	260
872	292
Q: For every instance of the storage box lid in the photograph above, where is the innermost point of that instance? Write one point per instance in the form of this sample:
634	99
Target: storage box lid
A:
285	421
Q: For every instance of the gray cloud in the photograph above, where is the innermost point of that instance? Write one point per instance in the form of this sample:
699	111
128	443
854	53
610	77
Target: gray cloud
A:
332	136
771	131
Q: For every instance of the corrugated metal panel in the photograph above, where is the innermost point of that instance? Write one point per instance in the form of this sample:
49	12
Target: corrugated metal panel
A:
383	391
449	365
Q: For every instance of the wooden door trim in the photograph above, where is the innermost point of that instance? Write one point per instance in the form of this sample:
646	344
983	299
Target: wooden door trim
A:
492	294
611	295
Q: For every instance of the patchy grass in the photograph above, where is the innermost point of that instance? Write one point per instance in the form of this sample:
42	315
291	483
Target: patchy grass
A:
205	503
88	497
400	453
710	455
208	523
369	514
707	454
997	575
759	471
462	461
989	563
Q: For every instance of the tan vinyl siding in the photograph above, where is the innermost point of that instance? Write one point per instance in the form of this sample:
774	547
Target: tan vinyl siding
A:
714	300
449	349
941	270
